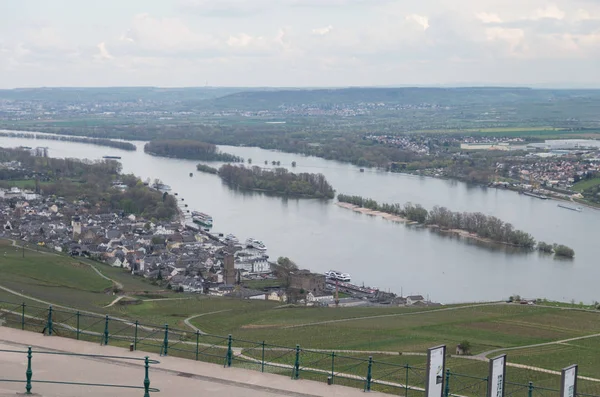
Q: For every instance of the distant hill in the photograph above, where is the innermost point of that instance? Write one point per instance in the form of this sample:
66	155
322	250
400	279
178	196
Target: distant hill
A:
403	96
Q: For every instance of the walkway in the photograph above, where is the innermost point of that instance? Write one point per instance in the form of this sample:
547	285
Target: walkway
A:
196	329
173	376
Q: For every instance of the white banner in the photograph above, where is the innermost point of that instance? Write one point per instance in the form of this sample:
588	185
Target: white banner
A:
436	363
497	376
568	386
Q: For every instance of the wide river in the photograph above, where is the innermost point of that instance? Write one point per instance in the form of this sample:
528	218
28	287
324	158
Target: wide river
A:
320	236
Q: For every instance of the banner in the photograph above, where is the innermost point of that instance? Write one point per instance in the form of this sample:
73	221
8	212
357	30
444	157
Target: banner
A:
568	384
436	364
497	376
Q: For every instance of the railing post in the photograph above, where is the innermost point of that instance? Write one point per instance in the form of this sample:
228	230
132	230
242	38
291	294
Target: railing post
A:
28	373
332	367
530	389
406	383
49	324
23	316
135	335
146	378
447	387
106	330
262	360
229	356
297	363
197	343
369	374
78	315
165	347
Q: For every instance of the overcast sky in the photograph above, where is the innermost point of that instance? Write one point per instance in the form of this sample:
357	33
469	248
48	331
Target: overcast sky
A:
298	42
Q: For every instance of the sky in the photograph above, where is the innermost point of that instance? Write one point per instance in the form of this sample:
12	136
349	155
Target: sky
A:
299	43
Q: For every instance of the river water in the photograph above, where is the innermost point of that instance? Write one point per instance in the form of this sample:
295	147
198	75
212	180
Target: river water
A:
320	236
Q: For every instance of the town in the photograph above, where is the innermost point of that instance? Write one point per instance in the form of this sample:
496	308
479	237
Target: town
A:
178	255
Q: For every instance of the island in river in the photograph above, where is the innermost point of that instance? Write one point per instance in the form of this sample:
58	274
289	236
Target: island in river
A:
279	181
476	225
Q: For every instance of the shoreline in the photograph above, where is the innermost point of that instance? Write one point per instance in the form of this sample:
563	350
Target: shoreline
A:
399	219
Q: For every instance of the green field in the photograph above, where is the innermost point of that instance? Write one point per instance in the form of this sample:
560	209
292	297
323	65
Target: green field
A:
586	184
362	331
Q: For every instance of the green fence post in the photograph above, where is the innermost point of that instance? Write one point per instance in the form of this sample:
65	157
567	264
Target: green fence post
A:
297	363
262	361
106	330
135	335
146	378
78	314
28	373
332	366
447	387
406	383
165	347
229	351
49	324
197	343
23	316
369	374
530	389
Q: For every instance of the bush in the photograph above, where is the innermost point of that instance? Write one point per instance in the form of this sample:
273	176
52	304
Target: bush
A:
545	247
564	251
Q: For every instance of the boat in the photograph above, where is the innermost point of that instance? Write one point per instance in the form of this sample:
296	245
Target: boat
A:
230	239
191	174
338	276
112	157
161	186
202	218
567	207
256	244
540	196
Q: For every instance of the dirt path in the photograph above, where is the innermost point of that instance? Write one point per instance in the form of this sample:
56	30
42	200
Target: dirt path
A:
196	329
115	301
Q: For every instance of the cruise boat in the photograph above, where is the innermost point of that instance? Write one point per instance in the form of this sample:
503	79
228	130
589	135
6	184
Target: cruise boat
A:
256	244
231	239
339	276
202	218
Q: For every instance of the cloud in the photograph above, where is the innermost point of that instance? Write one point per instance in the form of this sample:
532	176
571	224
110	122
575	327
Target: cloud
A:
103	53
549	12
488	17
322	31
420	20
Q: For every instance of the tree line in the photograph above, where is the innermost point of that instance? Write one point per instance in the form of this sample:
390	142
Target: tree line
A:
278	181
207	168
92	141
484	226
187	149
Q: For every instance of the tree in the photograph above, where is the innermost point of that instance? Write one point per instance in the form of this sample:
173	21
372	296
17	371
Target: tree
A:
159	277
465	346
563	251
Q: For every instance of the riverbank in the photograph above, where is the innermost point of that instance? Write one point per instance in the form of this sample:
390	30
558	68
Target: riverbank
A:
366	211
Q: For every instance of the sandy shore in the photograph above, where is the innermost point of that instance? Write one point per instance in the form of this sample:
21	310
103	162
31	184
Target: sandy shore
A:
366	211
396	218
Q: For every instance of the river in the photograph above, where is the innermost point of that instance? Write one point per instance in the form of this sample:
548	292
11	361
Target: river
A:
320	236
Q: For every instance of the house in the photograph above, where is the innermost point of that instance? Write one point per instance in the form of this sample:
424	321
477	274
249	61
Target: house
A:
277	296
413	299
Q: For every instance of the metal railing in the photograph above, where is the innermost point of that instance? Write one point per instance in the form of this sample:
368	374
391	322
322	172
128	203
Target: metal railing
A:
384	373
30	380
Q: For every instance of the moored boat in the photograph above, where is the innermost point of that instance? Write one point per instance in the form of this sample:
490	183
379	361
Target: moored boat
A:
202	218
567	207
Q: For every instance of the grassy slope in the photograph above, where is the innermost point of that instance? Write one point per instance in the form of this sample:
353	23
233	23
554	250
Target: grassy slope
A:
64	280
586	184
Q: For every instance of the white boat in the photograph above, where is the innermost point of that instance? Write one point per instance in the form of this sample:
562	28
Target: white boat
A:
202	219
231	239
339	276
256	244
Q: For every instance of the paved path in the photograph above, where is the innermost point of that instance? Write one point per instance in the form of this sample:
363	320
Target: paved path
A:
343	320
484	355
196	329
115	301
173	376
